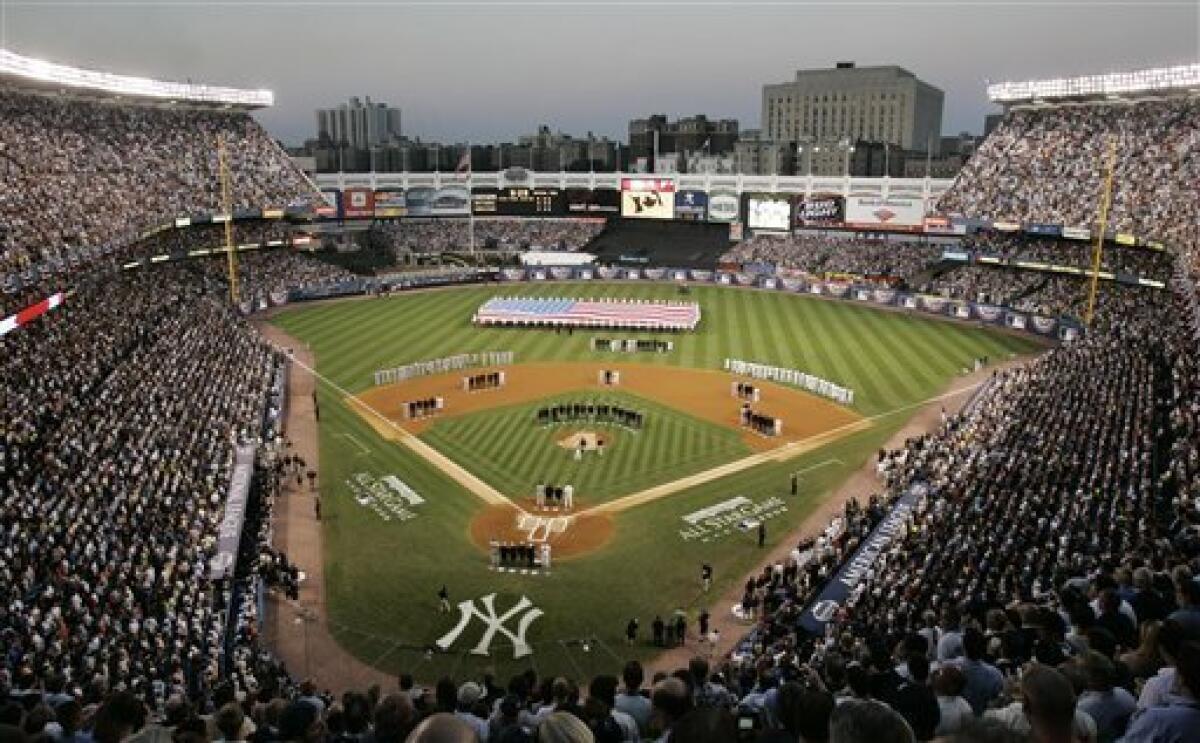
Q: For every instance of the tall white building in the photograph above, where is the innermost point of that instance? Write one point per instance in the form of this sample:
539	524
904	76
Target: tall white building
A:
886	104
359	125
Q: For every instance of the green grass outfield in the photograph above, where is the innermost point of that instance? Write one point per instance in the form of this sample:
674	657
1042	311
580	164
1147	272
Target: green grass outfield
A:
382	576
509	451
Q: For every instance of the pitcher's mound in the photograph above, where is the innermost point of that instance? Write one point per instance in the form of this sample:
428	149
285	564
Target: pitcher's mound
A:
585	440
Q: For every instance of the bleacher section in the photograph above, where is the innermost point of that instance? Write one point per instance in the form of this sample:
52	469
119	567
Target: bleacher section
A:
630	242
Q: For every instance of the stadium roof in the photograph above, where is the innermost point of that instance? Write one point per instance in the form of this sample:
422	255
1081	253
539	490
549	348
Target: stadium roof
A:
40	73
1178	79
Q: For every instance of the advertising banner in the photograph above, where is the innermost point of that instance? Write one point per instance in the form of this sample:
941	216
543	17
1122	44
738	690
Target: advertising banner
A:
229	531
647	198
691	206
420	201
357	203
1077	233
768	212
1036	228
390	202
599	202
944	226
723	206
331	203
892	213
451	201
820	209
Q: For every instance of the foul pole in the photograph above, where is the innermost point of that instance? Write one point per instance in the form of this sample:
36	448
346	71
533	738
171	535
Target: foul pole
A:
1101	227
227	206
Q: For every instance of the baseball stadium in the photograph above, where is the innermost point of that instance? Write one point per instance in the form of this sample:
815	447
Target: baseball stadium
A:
588	455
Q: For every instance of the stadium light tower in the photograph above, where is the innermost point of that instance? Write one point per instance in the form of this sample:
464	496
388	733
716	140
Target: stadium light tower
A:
227	205
1101	228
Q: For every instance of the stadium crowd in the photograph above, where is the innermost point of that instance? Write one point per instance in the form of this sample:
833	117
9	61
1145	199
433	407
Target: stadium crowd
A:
79	174
1047	165
1140	262
121	413
1091	456
820	255
416	235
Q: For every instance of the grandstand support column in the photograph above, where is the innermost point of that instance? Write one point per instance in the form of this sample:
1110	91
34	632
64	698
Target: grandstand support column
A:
1101	228
227	206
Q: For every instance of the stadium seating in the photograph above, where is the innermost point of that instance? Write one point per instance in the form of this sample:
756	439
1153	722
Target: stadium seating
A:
78	174
1056	519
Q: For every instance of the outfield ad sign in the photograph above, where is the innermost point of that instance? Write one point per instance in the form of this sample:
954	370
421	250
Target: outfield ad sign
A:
819	209
358	203
893	213
390	202
723	206
691	206
648	198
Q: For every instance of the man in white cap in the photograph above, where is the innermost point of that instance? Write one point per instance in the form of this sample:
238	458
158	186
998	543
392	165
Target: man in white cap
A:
471	694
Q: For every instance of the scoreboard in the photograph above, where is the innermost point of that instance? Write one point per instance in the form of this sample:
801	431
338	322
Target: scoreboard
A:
518	202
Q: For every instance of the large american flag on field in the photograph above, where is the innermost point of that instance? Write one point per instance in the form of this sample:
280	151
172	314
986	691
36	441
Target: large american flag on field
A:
602	313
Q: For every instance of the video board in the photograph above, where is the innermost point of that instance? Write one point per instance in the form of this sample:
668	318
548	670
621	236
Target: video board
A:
768	212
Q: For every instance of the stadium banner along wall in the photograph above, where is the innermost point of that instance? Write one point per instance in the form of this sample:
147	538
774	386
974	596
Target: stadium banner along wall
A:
723	206
852	572
766	211
358	203
892	213
691	206
229	532
648	198
391	202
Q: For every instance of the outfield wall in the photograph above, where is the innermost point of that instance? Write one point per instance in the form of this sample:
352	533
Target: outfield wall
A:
1063	329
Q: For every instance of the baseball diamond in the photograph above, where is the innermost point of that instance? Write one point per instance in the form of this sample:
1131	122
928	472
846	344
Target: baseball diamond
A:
894	362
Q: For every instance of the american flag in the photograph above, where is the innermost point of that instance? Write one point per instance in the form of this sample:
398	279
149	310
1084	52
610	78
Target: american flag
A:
633	314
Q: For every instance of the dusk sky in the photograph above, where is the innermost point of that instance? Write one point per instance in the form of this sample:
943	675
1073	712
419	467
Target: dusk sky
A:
488	70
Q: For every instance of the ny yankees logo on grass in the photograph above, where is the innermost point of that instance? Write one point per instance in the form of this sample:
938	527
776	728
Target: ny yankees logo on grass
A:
494	624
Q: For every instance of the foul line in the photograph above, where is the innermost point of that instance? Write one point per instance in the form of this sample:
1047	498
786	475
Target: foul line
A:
485	492
780	454
490	495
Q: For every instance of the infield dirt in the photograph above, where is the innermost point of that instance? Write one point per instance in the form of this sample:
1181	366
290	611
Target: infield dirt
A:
703	393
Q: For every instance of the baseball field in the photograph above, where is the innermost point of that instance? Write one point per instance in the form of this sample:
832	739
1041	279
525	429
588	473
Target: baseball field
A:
647	510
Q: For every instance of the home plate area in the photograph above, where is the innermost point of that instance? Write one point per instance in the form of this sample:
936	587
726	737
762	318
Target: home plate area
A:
540	528
558	536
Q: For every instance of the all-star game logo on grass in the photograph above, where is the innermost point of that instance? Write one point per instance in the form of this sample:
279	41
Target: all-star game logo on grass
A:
388	496
722	519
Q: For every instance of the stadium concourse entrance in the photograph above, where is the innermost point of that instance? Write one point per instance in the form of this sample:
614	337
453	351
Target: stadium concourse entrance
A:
650	243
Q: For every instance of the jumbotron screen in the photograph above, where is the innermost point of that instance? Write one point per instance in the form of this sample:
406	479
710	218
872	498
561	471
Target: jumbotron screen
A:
648	198
765	212
518	202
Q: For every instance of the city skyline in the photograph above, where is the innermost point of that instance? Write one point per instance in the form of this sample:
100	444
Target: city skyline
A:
490	70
